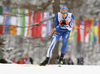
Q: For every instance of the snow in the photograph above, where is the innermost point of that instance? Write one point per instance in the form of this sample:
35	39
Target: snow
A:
66	69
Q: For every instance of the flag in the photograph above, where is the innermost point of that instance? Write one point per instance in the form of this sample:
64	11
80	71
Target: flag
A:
49	23
33	21
1	10
27	22
38	28
12	30
87	26
44	25
91	32
13	21
81	31
95	29
74	33
78	31
99	32
18	22
1	20
1	29
7	20
22	21
1	15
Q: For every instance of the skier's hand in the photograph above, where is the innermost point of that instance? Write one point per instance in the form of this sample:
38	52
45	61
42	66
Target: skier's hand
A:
63	23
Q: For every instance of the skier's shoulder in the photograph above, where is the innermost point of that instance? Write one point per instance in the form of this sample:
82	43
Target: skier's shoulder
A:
70	15
56	15
59	14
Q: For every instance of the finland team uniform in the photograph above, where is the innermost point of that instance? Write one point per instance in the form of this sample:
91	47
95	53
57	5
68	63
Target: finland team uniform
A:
63	31
63	25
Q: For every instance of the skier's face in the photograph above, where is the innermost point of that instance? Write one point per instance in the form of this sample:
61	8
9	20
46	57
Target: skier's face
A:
63	15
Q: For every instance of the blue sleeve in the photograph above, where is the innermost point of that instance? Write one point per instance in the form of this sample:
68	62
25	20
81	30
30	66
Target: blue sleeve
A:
72	19
56	20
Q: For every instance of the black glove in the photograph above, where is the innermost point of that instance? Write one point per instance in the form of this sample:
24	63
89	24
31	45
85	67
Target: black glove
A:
63	22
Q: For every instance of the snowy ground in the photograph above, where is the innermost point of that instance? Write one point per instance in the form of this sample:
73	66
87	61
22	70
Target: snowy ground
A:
64	69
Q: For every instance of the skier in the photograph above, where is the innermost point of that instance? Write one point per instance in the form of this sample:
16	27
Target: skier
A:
63	25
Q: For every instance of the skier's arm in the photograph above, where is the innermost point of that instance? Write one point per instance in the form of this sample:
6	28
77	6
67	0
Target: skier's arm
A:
72	21
57	26
56	20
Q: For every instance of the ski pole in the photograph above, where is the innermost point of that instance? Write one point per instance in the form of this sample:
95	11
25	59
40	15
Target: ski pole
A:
55	29
48	33
80	28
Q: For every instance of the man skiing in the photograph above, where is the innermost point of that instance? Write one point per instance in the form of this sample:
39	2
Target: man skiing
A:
63	25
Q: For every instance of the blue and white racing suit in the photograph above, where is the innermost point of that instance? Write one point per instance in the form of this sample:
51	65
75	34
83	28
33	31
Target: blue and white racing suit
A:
63	31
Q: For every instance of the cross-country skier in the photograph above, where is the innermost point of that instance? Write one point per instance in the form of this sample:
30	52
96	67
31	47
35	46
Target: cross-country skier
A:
63	25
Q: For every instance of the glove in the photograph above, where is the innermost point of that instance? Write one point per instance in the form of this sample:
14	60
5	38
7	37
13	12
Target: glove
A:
63	23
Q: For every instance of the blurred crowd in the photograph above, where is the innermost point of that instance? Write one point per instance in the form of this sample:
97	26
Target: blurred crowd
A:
24	60
69	61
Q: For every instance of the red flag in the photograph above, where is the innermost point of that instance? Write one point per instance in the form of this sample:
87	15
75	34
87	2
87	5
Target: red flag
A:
1	29
33	27
38	28
78	31
87	26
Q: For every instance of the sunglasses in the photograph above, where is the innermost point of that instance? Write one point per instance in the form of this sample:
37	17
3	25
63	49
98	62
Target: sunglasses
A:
63	14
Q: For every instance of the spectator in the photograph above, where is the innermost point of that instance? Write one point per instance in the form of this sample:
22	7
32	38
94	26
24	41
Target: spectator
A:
22	61
31	60
64	61
26	60
70	62
13	60
80	61
19	61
